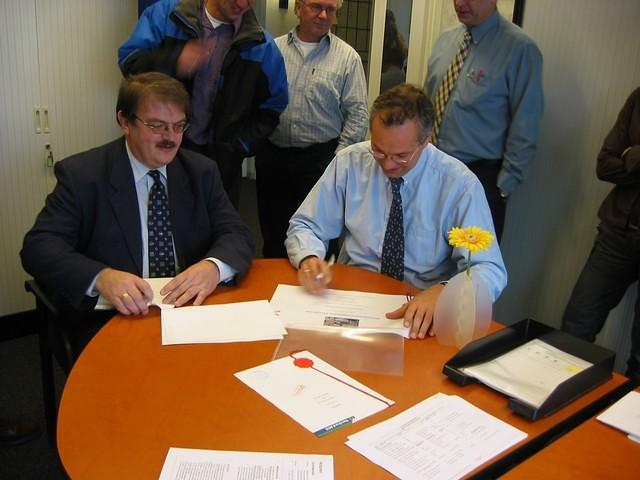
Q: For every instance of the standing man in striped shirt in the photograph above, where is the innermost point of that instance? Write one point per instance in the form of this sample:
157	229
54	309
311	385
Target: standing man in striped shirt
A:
327	111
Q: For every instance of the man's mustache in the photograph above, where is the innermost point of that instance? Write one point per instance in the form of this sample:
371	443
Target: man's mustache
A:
166	144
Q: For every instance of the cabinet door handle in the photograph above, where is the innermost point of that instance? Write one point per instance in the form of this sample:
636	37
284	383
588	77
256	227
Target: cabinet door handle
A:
45	119
37	119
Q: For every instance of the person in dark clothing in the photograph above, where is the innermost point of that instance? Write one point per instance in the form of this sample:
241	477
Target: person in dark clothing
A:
614	262
138	207
231	67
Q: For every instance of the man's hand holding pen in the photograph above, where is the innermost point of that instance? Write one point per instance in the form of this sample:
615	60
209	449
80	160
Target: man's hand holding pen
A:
314	274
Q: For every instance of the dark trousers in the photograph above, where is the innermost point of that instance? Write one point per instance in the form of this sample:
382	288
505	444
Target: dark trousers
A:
613	265
230	169
83	327
72	331
284	177
487	172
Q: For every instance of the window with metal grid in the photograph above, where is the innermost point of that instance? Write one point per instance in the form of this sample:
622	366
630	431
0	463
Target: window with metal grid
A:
353	25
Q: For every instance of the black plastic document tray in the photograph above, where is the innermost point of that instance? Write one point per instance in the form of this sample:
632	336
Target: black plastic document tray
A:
492	346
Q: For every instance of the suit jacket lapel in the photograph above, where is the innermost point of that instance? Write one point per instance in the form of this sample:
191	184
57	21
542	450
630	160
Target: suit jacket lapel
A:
124	202
181	203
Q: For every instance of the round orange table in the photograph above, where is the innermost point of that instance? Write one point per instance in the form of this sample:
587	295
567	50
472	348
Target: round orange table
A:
128	398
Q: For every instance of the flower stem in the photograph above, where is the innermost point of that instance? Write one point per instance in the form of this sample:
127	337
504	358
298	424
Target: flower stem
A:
469	264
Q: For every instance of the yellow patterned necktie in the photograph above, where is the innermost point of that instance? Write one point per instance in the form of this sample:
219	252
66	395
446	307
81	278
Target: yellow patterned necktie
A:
448	82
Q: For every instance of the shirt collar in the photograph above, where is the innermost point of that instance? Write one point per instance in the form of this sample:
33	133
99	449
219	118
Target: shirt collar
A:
479	31
216	23
139	169
293	35
414	175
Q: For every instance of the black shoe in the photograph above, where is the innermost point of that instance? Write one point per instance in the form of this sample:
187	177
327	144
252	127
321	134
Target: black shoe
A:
16	433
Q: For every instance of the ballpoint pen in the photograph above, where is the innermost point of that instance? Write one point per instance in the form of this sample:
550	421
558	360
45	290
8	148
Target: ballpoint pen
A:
332	260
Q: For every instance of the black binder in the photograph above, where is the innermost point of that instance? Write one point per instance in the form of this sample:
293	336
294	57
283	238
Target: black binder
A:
492	346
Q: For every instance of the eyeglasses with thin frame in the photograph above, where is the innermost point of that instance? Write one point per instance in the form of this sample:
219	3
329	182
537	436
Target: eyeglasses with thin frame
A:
163	127
400	158
317	9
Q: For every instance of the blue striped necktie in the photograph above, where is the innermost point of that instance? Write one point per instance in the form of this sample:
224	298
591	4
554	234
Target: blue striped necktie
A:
160	241
392	263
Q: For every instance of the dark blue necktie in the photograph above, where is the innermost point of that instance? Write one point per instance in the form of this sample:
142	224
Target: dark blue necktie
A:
160	241
392	263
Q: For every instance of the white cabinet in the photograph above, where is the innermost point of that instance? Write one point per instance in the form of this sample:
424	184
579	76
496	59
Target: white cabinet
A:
58	76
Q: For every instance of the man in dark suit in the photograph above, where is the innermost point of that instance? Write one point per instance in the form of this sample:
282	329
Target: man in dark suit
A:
93	238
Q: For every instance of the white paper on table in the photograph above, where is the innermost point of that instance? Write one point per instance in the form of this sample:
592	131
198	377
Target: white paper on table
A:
156	285
337	309
193	464
230	322
442	437
624	415
321	398
530	372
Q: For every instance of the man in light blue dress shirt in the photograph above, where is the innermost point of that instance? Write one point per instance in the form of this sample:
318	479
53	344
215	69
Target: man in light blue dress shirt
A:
491	119
354	197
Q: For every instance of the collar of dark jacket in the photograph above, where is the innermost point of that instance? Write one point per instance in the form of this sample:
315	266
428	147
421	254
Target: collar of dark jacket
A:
187	13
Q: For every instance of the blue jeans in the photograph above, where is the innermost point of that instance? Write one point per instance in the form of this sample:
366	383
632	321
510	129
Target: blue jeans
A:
613	265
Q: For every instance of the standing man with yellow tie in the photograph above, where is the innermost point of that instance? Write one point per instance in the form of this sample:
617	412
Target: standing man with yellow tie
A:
485	79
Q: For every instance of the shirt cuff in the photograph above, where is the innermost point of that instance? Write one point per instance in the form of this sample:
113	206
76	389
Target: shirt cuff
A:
91	291
226	272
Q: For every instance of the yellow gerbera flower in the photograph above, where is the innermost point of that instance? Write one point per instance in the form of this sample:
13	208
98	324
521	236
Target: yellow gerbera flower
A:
473	239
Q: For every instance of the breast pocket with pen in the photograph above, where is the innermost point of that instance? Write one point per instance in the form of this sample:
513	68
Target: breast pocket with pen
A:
322	86
474	85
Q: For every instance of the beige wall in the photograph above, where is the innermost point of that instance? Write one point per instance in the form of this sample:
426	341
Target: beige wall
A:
279	21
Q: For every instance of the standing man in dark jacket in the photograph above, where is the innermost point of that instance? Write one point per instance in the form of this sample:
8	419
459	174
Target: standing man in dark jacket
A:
231	67
614	263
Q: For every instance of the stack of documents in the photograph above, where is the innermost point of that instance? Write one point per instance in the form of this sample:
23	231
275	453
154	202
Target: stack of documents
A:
442	437
530	372
341	309
191	464
318	396
624	415
231	322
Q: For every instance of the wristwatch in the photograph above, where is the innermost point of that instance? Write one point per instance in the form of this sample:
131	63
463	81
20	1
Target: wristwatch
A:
504	195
